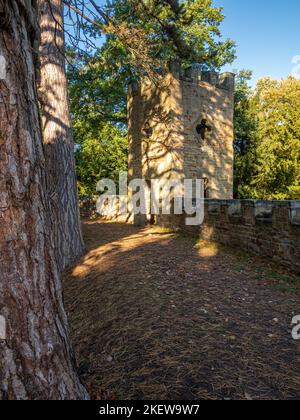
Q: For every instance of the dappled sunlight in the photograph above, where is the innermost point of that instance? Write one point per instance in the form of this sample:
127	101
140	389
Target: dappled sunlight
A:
153	315
105	255
207	249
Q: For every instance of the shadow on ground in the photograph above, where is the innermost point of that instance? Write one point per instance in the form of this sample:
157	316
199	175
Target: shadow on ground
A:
154	317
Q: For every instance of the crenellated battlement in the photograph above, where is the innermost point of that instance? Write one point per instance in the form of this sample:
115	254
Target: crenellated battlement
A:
257	211
269	229
194	74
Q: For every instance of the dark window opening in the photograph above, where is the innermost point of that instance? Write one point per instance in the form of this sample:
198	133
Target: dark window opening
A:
202	129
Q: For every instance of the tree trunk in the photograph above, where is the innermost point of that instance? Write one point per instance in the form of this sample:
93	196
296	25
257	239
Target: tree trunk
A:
36	361
57	135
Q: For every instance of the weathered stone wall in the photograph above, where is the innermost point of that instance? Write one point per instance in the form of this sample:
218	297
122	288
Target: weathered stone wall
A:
211	158
155	130
163	137
156	137
88	210
267	228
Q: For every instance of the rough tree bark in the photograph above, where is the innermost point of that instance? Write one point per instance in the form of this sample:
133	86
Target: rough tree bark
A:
36	361
57	135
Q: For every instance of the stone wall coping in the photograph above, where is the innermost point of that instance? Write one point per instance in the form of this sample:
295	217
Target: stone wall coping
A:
258	210
256	203
291	204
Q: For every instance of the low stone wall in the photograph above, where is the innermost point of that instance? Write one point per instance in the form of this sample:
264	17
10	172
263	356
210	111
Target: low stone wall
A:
87	206
267	228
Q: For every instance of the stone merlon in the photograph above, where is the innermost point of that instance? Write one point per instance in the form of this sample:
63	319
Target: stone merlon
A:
194	74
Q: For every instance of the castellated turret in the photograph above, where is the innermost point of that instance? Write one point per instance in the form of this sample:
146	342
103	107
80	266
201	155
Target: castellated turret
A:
184	129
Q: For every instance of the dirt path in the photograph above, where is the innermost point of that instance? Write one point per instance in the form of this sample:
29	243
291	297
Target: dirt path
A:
154	317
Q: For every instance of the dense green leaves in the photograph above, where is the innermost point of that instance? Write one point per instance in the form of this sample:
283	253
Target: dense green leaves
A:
268	122
172	29
278	146
101	154
245	134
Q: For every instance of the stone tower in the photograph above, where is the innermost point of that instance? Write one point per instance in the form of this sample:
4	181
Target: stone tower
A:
184	130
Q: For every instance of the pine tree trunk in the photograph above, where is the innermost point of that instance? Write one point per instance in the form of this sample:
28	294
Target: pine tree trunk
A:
36	361
57	135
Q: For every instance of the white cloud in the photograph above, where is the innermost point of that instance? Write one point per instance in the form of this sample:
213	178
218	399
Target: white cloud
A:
296	68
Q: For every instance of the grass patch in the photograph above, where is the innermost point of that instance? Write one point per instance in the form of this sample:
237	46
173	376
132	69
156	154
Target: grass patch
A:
239	267
285	282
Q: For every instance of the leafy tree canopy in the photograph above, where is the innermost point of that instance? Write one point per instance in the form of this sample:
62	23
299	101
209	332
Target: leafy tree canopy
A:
267	140
102	154
165	29
278	139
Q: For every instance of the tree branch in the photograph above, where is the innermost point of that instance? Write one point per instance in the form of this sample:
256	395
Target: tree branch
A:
79	12
104	16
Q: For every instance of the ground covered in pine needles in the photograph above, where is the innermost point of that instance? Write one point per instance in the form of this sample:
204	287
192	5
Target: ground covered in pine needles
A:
154	315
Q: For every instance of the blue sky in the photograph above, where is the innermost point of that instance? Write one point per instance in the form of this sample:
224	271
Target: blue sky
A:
267	34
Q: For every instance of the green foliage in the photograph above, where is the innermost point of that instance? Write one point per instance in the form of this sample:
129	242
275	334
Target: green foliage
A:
268	122
98	88
245	134
278	145
98	101
189	30
101	154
